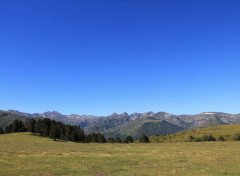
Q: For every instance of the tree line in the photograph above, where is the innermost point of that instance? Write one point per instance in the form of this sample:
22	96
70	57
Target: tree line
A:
236	137
57	130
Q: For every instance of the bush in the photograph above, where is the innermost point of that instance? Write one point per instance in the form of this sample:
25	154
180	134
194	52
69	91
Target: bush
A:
221	138
236	137
118	140
197	140
211	138
144	139
191	138
208	138
128	139
111	140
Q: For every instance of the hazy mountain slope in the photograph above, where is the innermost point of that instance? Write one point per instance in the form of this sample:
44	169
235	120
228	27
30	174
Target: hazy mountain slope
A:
150	127
73	119
136	128
106	123
124	124
7	118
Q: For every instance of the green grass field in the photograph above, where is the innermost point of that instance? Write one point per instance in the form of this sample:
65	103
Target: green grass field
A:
24	154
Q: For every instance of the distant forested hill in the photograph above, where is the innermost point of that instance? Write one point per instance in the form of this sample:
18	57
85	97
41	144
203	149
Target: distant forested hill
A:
7	117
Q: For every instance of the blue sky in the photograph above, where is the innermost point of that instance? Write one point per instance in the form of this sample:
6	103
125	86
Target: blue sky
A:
100	56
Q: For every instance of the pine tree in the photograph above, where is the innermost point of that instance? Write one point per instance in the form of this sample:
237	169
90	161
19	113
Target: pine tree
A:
67	132
30	125
101	138
46	125
111	140
8	128
53	131
81	136
15	126
118	140
61	130
128	139
38	127
21	127
1	130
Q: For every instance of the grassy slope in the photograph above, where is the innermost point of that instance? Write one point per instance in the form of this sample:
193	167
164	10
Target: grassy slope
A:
227	131
23	154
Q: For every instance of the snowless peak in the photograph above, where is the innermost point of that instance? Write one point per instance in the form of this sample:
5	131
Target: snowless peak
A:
11	110
53	113
125	114
114	114
148	113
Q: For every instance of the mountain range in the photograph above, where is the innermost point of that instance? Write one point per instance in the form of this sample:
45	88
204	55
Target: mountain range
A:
136	124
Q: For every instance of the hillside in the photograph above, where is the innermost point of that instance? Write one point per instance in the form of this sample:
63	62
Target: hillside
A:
146	126
7	117
227	131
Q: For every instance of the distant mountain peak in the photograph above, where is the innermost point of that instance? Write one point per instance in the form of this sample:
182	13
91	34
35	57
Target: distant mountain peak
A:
12	110
125	114
149	113
114	114
51	113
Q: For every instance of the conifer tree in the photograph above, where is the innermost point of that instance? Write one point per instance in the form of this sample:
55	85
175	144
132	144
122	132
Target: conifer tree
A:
111	140
8	128
118	140
1	130
128	139
53	131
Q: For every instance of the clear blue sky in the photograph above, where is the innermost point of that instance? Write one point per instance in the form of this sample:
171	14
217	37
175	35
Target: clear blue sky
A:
104	56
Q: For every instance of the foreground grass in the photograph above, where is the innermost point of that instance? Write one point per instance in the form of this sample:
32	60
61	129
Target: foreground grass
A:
24	154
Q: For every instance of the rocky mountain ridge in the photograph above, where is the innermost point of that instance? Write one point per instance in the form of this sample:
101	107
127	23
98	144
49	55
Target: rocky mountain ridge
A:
139	123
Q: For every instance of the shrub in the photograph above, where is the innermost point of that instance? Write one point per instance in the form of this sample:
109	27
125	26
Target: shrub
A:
236	137
208	138
118	140
197	140
144	139
221	138
111	140
128	139
191	138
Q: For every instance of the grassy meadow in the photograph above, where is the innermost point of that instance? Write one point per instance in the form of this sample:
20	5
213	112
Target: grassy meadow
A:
24	154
